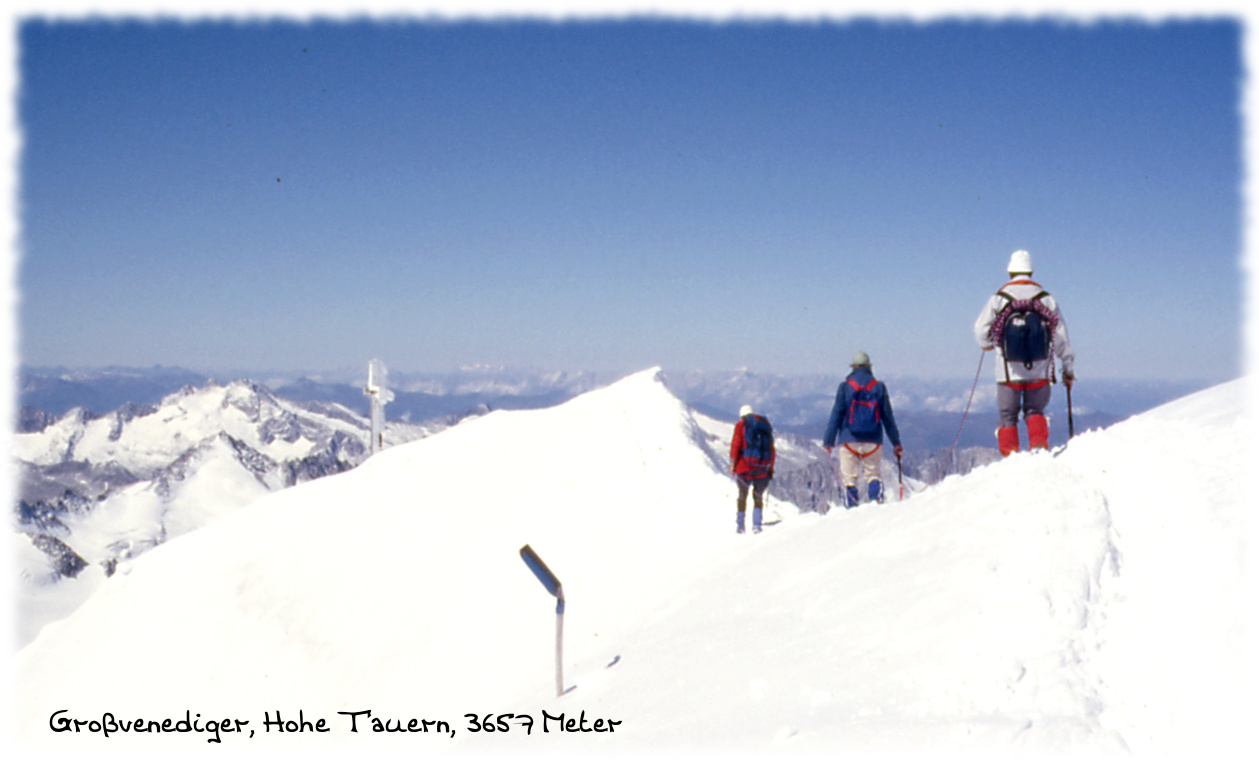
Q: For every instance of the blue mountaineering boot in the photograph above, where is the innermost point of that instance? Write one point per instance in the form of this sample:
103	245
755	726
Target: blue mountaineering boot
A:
851	498
876	491
739	521
756	519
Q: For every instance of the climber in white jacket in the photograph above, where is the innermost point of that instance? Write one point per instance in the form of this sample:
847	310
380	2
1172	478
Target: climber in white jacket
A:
1025	327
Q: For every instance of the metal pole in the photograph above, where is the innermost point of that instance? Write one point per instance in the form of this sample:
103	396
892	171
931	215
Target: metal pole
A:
559	643
556	589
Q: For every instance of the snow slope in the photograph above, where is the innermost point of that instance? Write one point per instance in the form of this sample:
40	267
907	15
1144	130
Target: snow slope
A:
1038	604
141	476
1070	604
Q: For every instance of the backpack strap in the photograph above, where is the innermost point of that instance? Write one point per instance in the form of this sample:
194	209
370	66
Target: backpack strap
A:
1010	297
1021	282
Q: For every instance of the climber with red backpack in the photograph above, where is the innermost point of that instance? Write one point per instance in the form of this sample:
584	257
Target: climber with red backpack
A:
1024	325
752	457
862	413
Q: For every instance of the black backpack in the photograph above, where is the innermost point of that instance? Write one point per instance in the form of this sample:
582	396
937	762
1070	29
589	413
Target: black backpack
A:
1024	329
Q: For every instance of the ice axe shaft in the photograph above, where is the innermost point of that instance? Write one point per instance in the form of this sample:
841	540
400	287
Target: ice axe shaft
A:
900	479
1070	415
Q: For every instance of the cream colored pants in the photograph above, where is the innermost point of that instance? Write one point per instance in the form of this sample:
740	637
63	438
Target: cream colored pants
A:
859	459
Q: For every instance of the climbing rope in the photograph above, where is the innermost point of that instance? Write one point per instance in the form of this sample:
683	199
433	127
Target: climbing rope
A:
953	447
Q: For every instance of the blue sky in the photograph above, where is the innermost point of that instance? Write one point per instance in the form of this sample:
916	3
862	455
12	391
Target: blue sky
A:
616	195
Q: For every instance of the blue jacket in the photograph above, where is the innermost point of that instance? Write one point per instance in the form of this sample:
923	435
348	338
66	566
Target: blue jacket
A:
836	432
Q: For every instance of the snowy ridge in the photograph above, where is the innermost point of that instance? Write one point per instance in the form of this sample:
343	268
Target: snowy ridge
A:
954	620
358	588
1036	604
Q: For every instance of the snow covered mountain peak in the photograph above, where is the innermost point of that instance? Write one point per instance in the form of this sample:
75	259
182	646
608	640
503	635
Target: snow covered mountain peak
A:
143	439
342	567
100	490
1038	604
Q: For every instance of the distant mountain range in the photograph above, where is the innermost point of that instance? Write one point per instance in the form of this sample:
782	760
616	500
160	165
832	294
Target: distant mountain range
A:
44	392
794	402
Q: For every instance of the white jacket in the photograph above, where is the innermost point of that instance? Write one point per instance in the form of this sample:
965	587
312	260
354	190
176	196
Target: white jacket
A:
1023	287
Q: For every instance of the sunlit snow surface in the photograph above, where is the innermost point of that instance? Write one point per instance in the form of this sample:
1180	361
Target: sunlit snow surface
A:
1089	602
199	456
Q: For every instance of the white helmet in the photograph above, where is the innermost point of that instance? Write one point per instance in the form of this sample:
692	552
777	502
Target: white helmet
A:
1020	263
745	410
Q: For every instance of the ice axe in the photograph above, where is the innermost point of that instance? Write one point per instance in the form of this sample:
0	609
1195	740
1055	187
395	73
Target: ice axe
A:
899	478
1070	415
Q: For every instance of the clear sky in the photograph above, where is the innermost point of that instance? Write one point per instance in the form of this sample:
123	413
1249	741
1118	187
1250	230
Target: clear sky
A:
617	195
